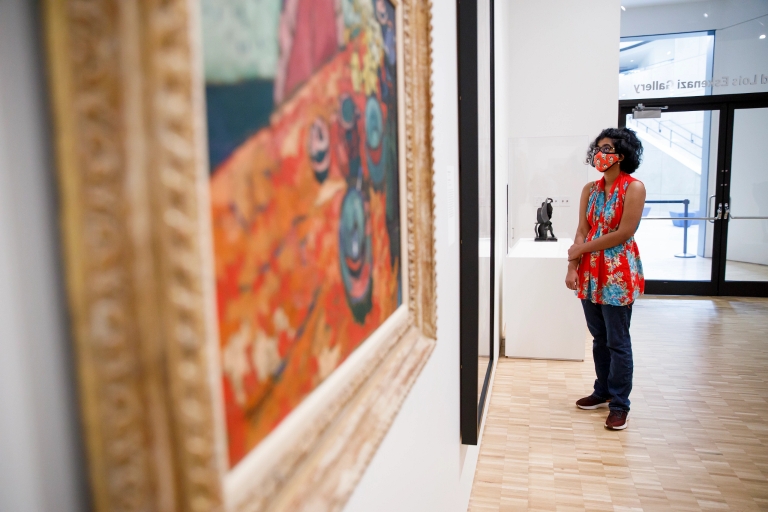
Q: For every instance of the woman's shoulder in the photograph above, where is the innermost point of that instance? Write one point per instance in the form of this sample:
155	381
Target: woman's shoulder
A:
634	189
635	185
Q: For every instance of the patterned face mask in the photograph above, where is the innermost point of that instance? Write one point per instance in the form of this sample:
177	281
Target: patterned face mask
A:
604	161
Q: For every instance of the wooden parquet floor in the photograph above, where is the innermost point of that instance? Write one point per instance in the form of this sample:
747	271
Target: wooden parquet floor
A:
698	431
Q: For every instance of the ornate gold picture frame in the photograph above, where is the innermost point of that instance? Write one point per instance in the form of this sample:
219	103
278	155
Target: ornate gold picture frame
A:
128	100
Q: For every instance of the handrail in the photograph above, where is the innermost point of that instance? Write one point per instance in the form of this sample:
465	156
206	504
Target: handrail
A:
690	134
660	125
682	130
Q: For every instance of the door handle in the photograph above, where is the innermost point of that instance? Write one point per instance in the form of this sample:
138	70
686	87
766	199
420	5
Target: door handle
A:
719	214
727	212
709	204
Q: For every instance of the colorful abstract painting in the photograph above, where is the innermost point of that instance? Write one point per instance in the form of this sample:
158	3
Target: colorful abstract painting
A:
302	125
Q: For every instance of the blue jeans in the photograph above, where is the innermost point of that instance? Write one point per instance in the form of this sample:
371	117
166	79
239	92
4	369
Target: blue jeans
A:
612	351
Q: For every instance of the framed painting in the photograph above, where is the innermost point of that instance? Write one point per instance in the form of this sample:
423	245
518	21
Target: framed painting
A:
247	215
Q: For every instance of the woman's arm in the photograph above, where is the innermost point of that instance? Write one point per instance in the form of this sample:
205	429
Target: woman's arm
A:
630	219
583	229
571	278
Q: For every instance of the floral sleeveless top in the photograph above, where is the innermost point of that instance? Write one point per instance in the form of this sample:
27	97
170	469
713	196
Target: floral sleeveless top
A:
612	276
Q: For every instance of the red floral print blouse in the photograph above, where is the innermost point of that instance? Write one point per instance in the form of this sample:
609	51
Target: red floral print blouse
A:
612	276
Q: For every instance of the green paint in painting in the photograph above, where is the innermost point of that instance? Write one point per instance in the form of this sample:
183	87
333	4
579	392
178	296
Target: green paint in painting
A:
240	40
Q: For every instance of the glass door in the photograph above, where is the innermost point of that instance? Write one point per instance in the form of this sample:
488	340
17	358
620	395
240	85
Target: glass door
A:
745	237
676	236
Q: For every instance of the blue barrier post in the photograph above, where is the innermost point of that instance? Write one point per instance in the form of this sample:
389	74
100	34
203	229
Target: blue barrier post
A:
685	232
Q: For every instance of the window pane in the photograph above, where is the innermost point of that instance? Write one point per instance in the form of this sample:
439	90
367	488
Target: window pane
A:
679	158
747	257
663	66
741	55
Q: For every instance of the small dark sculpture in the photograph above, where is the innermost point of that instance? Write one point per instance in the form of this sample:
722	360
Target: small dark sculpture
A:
544	224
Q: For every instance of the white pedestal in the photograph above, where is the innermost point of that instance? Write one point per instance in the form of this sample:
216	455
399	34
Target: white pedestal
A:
543	318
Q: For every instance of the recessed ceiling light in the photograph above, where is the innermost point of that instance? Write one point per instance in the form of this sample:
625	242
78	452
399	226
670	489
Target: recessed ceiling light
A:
762	36
633	60
668	53
623	8
706	15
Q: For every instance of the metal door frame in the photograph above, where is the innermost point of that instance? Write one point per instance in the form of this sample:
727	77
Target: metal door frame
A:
726	104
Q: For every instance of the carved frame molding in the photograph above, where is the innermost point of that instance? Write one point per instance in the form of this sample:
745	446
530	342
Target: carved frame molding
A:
127	96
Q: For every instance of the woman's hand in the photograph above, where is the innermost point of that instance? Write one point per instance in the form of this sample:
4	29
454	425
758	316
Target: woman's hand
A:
571	278
574	252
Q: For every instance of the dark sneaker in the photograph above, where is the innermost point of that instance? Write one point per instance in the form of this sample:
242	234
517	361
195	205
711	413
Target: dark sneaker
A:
617	420
592	402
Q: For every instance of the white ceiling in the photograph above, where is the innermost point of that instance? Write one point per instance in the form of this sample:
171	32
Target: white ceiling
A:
646	3
648	17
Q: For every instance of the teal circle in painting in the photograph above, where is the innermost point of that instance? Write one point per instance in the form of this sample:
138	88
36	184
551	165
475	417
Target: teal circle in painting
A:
374	123
355	253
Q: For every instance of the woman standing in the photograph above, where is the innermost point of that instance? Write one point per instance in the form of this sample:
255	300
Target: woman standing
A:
604	267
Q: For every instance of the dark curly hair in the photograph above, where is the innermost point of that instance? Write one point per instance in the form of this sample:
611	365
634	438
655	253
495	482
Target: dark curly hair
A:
625	142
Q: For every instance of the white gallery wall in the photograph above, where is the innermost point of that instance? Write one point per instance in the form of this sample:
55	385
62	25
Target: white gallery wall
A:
561	73
546	85
421	465
41	465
